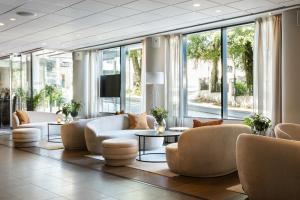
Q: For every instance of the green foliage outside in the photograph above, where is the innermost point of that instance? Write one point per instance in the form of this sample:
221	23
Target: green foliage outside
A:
259	124
136	58
207	47
240	89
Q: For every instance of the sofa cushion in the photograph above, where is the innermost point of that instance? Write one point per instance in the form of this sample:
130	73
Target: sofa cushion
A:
198	123
138	121
23	116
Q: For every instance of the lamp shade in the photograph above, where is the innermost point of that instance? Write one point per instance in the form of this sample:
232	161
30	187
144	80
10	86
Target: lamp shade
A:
155	78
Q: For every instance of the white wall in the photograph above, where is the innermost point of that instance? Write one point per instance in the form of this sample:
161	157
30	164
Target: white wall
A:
291	67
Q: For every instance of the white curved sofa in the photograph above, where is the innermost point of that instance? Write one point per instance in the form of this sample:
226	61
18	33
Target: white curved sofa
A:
206	151
288	131
36	120
116	126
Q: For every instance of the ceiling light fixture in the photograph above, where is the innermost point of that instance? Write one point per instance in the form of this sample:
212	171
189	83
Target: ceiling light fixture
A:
12	19
196	4
2	24
25	13
218	11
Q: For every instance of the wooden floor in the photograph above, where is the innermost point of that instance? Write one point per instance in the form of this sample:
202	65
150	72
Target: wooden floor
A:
202	188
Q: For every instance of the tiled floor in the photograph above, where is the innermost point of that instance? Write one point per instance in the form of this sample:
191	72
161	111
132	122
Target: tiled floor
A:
28	176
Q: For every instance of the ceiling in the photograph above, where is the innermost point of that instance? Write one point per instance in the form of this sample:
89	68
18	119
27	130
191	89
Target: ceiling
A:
71	24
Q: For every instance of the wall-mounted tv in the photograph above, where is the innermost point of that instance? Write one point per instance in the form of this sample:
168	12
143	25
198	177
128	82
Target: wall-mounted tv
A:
110	85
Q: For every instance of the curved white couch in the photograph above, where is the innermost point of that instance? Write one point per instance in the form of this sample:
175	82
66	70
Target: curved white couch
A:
288	131
36	120
206	151
116	126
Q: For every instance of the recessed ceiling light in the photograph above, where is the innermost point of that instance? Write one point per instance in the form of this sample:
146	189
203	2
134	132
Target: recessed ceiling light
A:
196	4
2	24
44	43
12	19
25	13
218	11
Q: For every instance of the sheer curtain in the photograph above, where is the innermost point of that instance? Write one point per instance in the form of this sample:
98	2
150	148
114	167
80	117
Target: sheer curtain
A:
267	68
86	81
173	81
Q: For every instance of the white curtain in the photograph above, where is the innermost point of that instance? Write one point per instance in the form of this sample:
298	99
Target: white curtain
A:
86	81
173	83
267	68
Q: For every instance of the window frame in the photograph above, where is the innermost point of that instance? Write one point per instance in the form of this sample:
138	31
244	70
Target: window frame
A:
224	63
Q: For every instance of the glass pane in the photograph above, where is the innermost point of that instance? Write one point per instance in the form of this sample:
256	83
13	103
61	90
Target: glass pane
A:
110	65
240	71
52	80
203	68
5	93
133	96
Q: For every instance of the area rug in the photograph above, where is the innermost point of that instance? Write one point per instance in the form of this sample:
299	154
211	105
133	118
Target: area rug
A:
236	188
50	145
156	168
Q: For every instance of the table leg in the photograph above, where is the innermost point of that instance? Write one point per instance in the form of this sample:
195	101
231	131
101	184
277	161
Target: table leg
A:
144	146
48	134
140	157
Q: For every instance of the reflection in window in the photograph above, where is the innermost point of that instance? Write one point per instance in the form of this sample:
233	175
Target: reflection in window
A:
204	74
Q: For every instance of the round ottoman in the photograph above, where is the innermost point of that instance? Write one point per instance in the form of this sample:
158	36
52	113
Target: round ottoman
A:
26	137
119	152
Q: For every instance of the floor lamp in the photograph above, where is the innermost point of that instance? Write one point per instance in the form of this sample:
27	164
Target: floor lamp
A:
155	79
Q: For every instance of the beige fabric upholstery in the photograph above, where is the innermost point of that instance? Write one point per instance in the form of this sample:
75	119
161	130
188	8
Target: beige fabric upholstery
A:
116	126
120	152
268	167
37	120
288	131
72	134
26	137
205	151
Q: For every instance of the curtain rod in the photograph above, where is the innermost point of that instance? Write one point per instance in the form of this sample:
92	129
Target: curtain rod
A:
188	27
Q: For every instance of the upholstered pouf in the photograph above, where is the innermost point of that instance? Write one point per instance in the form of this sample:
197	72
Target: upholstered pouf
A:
120	152
26	137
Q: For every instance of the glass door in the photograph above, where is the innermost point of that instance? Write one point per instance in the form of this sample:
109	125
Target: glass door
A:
5	93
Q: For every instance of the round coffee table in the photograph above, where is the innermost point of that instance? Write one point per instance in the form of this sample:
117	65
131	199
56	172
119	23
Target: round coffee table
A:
151	133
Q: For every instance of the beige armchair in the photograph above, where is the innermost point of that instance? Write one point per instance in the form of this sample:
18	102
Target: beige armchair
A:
268	167
288	131
205	151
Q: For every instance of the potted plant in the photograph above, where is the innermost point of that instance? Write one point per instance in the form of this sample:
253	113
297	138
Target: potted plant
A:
259	124
75	107
66	111
160	114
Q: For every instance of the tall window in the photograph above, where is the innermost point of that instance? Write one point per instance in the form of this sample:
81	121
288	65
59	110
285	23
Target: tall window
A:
219	73
133	70
204	74
110	65
52	80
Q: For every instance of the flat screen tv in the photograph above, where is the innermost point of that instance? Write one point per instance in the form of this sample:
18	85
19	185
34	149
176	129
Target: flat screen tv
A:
110	85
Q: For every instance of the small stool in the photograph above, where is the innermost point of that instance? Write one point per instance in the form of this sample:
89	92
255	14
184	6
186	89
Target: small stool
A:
120	152
26	137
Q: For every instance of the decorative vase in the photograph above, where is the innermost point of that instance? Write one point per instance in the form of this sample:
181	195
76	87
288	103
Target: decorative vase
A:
160	127
74	114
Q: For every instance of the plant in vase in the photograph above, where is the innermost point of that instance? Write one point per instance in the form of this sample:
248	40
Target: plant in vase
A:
259	124
75	107
160	114
66	111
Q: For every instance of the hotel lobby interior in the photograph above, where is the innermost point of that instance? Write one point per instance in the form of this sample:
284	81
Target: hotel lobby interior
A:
149	99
